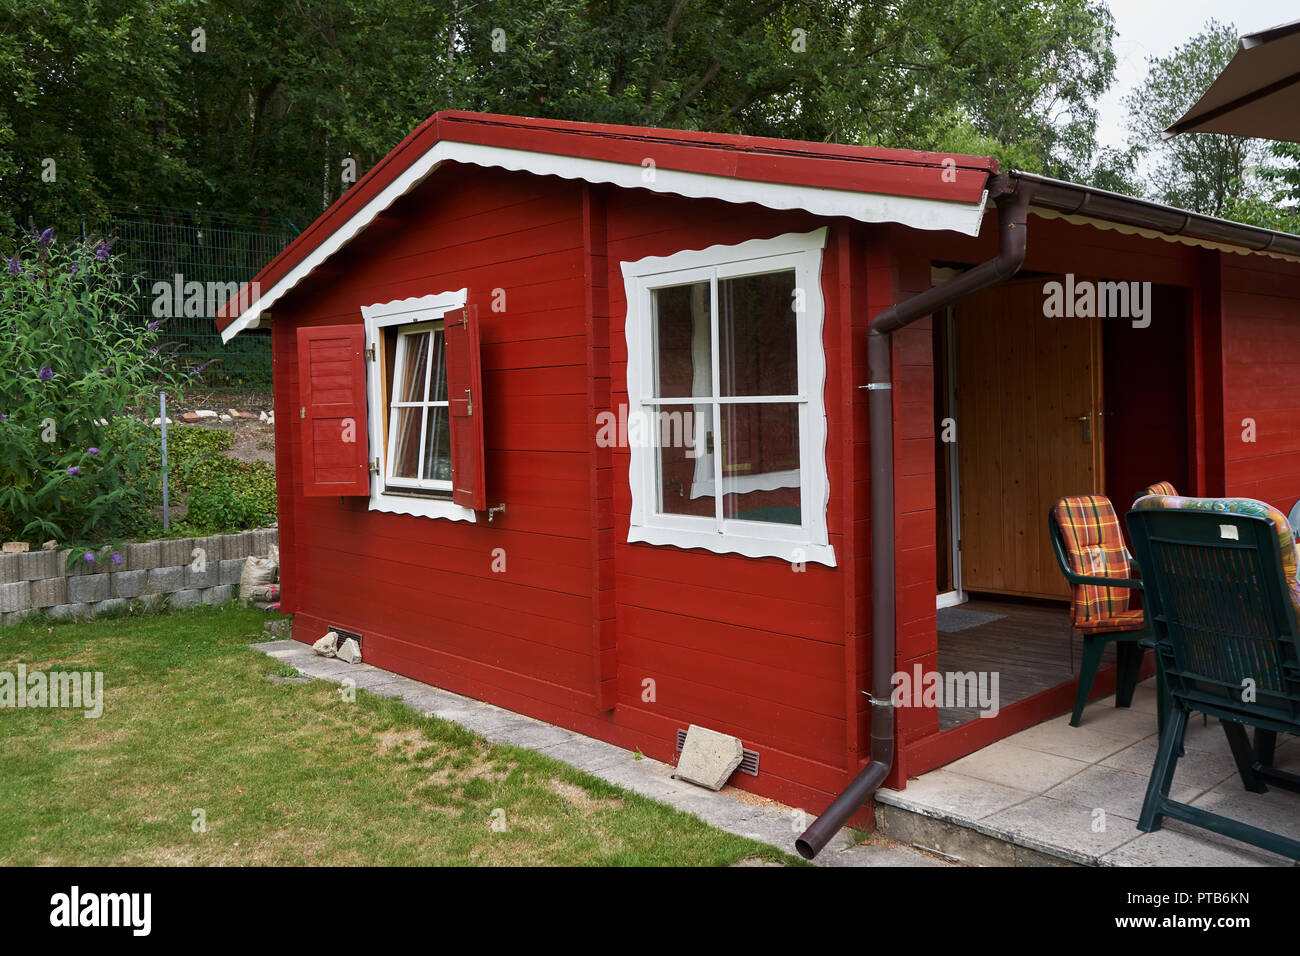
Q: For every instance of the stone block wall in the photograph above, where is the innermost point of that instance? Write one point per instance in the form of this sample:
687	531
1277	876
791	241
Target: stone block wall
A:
186	571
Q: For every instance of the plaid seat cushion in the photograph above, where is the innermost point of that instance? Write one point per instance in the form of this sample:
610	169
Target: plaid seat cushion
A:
1094	547
1286	540
1129	620
1160	488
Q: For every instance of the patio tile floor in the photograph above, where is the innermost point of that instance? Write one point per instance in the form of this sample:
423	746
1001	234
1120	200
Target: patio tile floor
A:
1074	793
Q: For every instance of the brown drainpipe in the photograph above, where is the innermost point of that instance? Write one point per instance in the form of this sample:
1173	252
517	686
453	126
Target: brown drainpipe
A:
1012	199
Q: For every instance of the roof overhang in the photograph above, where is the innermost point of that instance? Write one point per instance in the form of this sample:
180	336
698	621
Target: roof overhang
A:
921	190
1129	215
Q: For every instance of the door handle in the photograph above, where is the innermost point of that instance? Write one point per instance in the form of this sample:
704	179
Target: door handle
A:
1087	424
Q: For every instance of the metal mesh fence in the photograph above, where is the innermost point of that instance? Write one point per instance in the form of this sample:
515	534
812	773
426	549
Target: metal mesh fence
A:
171	246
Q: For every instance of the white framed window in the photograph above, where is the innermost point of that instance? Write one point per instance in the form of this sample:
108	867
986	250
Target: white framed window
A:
409	423
727	420
419	443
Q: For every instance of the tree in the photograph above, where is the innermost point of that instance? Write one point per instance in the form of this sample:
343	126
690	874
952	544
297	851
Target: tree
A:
267	106
1206	172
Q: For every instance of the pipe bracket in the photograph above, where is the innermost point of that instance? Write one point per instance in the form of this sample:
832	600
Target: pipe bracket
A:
874	386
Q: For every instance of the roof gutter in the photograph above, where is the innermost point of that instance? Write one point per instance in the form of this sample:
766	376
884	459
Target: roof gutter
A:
1071	199
1012	197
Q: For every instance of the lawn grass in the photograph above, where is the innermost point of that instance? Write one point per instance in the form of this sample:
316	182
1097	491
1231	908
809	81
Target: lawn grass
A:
289	772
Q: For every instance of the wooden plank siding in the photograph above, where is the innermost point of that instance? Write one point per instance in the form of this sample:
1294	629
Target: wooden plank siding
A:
744	646
1260	349
580	619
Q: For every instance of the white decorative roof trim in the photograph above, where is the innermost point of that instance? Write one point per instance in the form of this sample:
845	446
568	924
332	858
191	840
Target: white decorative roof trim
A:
931	214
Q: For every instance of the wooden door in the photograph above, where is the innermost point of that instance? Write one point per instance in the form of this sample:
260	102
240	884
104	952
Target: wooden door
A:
1029	430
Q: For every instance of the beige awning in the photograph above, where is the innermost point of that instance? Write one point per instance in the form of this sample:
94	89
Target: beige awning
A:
1258	92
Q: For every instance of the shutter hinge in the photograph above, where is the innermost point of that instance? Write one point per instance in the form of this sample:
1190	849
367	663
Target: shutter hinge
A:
370	353
469	402
374	467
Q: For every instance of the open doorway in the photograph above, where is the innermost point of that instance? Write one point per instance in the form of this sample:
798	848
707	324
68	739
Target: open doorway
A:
1036	407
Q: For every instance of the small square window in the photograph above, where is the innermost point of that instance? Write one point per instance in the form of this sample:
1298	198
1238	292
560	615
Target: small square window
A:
410	408
419	434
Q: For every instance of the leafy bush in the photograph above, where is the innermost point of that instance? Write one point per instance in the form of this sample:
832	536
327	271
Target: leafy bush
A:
225	495
72	361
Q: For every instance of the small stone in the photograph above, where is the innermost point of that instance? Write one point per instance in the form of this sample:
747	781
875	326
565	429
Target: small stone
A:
206	413
158	421
50	545
14	547
350	652
328	645
708	757
225	418
233	413
261	416
190	417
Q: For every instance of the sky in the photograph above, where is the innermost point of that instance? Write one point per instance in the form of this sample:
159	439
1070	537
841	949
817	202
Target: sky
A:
1154	27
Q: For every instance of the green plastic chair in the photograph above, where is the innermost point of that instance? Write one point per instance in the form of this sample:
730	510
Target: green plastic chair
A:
1223	604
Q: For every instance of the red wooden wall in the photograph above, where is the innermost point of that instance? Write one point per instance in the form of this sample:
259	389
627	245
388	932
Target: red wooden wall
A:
582	624
1259	303
580	621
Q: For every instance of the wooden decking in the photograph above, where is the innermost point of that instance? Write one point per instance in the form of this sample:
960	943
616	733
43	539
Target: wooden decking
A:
1029	648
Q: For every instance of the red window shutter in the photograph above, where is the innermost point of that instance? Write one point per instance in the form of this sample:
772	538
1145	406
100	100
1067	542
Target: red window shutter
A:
332	414
465	395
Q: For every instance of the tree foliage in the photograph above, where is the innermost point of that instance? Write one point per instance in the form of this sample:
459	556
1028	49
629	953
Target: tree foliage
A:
267	108
1219	175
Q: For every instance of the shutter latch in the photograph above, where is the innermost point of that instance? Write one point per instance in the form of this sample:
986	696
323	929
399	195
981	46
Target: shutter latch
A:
469	402
302	412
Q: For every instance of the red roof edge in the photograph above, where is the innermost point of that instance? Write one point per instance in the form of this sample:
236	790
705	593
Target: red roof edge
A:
927	175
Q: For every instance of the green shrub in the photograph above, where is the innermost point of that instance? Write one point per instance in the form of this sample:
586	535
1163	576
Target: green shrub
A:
225	495
72	361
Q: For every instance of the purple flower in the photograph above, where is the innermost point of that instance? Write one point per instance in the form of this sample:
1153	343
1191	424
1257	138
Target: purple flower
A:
92	451
14	267
117	558
101	254
153	326
88	558
45	238
45	374
73	270
74	471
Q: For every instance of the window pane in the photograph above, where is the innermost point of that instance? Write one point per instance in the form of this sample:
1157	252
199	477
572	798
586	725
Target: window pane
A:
411	387
683	436
760	462
683	349
406	439
437	446
438	383
757	335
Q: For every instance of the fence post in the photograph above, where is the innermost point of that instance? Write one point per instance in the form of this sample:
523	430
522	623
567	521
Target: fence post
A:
162	421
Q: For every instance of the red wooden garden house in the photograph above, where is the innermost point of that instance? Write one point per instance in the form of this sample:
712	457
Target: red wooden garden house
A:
577	419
